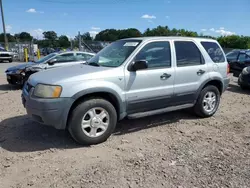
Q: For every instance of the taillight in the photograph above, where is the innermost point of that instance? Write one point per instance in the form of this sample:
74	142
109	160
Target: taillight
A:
228	69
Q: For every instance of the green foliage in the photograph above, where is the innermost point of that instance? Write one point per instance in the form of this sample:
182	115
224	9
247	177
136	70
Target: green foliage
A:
234	41
51	39
63	41
23	37
50	35
10	37
113	34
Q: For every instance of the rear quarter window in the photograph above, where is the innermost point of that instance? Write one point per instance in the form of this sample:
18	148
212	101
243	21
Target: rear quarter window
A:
214	51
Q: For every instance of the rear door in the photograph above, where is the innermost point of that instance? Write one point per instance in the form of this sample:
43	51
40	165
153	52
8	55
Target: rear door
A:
190	71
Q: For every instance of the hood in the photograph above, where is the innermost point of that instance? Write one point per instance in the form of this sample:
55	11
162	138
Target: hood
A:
68	74
18	67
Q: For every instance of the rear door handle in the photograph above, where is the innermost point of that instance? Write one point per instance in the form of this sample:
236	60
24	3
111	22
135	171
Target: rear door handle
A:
165	76
200	72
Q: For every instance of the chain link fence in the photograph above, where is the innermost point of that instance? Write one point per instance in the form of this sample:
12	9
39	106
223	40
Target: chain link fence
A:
18	49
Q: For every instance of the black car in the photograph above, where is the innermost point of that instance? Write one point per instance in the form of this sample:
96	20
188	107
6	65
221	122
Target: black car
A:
244	78
238	60
17	75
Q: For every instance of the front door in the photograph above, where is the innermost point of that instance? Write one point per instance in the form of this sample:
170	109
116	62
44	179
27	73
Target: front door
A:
242	62
190	72
151	88
63	60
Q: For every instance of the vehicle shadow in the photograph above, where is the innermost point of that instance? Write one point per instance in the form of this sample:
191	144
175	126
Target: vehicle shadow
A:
21	134
237	89
8	87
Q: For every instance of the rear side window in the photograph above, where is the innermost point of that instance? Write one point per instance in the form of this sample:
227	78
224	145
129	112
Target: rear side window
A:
187	54
214	51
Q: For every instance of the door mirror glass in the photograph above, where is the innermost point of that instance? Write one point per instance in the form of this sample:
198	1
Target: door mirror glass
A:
139	65
52	61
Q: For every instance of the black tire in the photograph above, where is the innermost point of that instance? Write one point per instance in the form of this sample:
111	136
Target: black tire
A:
76	117
199	109
243	87
11	60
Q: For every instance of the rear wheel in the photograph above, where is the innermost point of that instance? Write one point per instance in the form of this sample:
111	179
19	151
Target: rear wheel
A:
243	87
10	61
92	121
208	102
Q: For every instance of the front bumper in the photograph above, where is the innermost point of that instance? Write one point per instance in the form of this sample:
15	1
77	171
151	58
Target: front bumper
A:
15	79
52	112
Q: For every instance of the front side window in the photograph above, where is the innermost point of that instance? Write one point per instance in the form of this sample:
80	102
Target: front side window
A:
83	56
187	54
64	58
157	54
46	58
114	54
242	57
214	51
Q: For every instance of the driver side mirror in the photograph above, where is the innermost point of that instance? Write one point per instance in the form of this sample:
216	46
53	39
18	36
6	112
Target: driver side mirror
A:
139	65
52	61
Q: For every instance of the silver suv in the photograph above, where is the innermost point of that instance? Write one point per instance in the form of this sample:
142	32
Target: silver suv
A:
129	78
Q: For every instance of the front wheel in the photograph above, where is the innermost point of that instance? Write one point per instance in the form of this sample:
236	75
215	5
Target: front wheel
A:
208	102
92	121
10	61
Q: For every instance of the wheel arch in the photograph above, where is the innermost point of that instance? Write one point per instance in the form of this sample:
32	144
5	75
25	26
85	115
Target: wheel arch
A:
107	94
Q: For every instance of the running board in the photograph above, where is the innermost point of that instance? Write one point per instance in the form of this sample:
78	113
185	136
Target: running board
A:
159	111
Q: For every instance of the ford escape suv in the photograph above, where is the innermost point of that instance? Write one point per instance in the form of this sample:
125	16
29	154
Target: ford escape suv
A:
129	78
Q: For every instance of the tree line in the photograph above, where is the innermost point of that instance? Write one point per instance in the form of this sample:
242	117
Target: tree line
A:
51	39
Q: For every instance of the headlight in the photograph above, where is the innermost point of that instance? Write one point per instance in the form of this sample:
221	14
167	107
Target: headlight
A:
47	91
19	71
245	71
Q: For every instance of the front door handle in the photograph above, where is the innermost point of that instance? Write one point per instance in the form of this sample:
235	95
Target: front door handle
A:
200	72
165	76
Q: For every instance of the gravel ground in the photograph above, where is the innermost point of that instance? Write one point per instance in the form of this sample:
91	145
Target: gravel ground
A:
170	150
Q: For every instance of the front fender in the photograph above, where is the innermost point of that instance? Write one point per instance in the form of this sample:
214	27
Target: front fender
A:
76	91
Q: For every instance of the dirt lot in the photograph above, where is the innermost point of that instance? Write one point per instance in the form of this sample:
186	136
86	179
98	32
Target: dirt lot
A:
169	150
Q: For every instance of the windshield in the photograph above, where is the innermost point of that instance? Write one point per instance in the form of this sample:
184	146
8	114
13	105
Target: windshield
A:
115	54
44	59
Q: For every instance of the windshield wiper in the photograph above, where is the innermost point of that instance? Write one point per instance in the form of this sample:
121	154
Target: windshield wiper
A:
93	64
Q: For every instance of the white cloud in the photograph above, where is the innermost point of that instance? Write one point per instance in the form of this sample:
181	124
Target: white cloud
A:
167	17
8	28
95	28
146	16
224	32
37	33
31	10
93	33
220	31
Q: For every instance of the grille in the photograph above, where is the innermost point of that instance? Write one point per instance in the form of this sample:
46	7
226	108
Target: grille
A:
4	55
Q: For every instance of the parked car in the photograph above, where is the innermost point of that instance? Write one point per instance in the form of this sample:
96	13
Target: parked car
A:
17	75
244	78
238	60
6	55
129	78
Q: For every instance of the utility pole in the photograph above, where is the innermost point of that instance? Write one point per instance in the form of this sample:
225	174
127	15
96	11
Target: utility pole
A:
80	39
4	30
